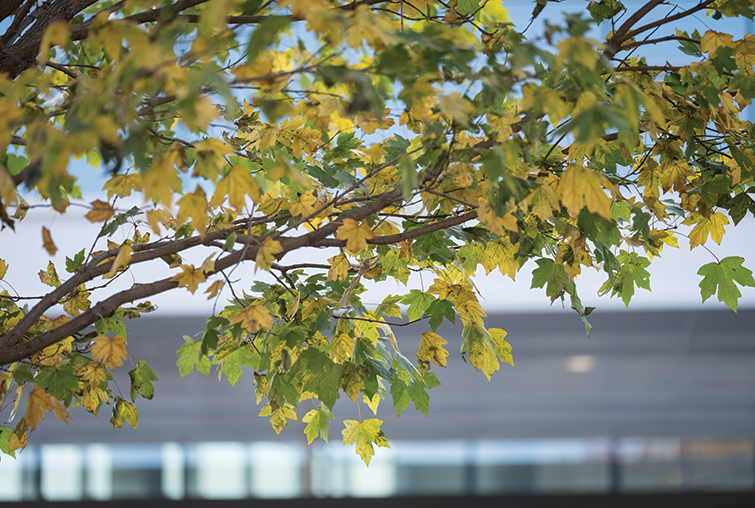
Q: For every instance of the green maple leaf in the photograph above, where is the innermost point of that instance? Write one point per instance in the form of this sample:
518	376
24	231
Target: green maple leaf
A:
123	412
60	382
438	310
319	375
188	358
418	303
630	273
365	434
5	433
552	276
400	395
722	276
317	423
141	381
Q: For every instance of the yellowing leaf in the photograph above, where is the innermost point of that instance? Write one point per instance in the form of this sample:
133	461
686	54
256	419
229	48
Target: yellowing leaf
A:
579	188
194	205
123	412
317	423
501	254
3	268
77	301
40	401
279	416
214	289
189	277
50	277
123	185
237	184
364	434
253	318
121	260
266	254
47	242
712	40
478	344
110	350
713	226
303	206
431	349
355	234
100	212
339	268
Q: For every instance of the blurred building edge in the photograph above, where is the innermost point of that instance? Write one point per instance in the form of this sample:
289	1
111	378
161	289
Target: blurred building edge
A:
651	402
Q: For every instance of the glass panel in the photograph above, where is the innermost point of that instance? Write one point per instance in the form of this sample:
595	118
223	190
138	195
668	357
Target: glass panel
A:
62	477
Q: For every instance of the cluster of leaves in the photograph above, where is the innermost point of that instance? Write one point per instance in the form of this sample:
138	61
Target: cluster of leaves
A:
428	137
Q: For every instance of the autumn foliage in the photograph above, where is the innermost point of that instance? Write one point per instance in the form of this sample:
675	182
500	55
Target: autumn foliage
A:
383	138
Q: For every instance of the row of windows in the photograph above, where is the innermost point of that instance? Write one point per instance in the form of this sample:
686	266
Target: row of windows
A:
232	470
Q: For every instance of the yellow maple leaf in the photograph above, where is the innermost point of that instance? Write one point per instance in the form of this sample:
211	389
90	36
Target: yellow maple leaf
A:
501	254
341	347
194	205
704	226
189	277
77	301
253	318
266	254
365	434
100	212
479	345
279	416
53	353
3	268
713	40
47	242
110	350
40	401
161	180
123	185
431	349
304	205
50	276
579	188
355	234
158	217
237	184
56	34
214	289
121	260
339	268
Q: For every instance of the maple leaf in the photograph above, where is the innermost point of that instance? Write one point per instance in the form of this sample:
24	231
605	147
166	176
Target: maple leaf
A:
304	205
279	416
189	277
123	185
266	254
101	211
40	401
355	234
47	242
341	347
141	381
704	226
237	184
365	434
77	301
4	268
317	423
478	343
253	318
110	350
431	348
721	276
50	276
579	188
214	289
161	180
194	205
501	254
123	412
339	268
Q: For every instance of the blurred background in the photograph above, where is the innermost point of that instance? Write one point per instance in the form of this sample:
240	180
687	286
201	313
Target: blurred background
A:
652	402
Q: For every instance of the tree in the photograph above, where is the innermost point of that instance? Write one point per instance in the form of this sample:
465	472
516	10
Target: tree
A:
401	136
